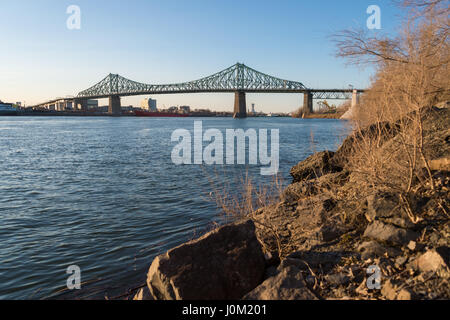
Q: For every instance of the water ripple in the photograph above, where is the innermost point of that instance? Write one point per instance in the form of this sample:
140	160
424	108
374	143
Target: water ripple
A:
103	194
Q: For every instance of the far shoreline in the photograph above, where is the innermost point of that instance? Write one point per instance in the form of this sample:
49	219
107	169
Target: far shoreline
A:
335	116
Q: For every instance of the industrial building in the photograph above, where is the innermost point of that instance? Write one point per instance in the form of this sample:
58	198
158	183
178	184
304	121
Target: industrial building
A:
149	105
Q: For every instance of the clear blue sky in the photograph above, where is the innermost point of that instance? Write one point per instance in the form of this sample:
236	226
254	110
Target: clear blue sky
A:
167	41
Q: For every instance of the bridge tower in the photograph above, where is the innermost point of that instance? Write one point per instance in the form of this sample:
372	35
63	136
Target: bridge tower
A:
308	102
240	105
355	98
114	107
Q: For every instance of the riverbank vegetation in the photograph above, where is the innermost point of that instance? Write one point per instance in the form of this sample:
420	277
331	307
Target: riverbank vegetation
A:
412	77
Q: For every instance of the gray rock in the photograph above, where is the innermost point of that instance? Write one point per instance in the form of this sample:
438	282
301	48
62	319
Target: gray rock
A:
372	249
223	264
401	222
388	233
297	190
286	285
381	205
329	233
315	166
337	279
316	260
385	207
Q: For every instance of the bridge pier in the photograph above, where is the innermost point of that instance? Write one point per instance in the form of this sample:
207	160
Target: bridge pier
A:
308	102
240	105
80	104
355	98
114	107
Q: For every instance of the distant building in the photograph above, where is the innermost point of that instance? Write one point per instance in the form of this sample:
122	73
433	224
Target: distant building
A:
149	105
253	108
173	109
185	109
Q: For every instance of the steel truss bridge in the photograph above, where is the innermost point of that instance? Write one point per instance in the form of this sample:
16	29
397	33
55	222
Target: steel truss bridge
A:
239	79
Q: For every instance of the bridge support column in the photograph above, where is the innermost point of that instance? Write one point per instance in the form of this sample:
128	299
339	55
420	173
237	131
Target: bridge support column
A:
80	104
308	102
114	107
355	98
240	105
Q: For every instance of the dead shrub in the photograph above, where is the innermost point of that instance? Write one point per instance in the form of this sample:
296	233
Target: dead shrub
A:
412	76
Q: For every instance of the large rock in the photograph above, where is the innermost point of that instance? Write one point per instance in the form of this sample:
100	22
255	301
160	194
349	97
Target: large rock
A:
224	264
388	233
288	284
315	166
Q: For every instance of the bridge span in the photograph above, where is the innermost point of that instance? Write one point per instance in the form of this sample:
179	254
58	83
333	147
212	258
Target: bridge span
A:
238	79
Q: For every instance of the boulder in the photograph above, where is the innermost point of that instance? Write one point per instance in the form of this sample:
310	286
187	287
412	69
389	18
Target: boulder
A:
315	166
388	233
288	284
224	264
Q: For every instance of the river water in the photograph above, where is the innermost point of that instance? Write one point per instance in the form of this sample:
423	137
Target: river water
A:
103	194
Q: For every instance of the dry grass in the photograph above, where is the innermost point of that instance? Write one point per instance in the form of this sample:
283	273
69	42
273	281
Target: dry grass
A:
247	202
248	198
412	76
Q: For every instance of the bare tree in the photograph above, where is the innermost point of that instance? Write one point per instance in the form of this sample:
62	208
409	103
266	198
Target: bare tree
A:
412	74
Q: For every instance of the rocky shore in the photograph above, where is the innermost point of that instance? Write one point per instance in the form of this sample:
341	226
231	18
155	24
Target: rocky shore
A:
326	238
